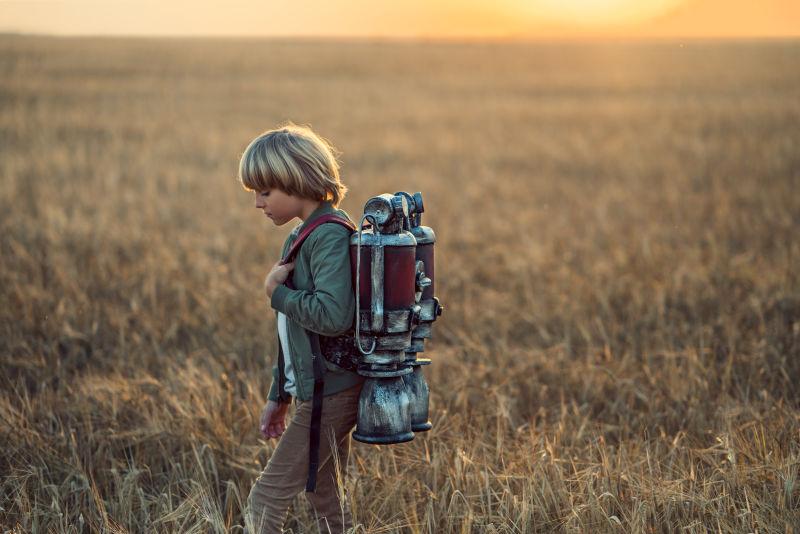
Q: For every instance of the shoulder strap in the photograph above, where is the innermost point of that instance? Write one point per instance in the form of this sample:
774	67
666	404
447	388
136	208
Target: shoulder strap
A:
314	430
316	351
316	223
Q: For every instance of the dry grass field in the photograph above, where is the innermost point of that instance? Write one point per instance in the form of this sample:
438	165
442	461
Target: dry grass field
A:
618	256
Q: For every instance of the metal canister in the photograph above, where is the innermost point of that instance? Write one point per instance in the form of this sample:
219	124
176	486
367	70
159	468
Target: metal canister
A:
430	309
384	265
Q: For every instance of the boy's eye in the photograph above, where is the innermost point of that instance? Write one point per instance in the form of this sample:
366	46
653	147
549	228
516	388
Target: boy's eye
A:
265	193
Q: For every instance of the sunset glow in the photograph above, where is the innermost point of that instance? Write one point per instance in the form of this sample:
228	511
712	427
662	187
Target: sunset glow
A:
590	12
471	19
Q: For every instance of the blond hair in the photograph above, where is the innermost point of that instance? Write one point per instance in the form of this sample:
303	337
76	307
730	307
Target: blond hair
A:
295	160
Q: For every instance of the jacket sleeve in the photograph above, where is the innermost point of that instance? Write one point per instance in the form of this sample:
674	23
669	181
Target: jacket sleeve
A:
329	309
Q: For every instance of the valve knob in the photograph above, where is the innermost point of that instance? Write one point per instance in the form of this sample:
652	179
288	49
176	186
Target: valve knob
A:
418	206
422	280
400	206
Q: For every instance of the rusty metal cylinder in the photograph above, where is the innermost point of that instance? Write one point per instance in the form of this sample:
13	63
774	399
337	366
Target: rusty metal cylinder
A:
399	255
418	395
386	289
384	415
429	311
384	263
424	253
430	308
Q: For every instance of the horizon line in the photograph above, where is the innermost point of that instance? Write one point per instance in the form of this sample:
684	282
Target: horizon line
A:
511	38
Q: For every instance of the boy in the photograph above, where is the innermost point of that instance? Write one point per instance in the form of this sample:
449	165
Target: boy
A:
294	174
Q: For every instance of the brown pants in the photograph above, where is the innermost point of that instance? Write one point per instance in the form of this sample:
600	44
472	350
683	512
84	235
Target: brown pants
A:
287	469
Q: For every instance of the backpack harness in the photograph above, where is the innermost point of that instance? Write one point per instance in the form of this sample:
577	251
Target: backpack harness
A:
316	350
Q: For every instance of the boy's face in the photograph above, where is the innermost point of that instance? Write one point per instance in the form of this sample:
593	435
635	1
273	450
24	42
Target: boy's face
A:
279	206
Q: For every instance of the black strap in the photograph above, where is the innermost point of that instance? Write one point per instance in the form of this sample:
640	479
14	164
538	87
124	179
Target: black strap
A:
281	368
316	412
316	351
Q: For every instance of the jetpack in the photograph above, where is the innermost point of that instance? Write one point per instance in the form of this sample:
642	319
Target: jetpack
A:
392	269
392	259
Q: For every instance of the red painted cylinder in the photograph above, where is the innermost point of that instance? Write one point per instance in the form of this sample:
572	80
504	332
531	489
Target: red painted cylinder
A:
425	241
365	291
399	268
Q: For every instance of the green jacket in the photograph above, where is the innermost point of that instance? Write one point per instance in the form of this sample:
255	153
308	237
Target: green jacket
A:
323	303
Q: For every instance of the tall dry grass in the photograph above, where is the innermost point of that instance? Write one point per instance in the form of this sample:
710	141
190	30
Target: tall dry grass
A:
618	257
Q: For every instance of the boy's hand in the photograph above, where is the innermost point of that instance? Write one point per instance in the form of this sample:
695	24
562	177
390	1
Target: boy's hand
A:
273	419
276	277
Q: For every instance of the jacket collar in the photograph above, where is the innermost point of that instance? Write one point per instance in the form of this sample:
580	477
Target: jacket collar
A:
324	208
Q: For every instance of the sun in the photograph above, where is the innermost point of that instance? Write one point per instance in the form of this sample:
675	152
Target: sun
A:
599	12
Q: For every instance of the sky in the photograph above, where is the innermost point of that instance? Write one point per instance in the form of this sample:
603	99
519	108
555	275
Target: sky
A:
408	19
